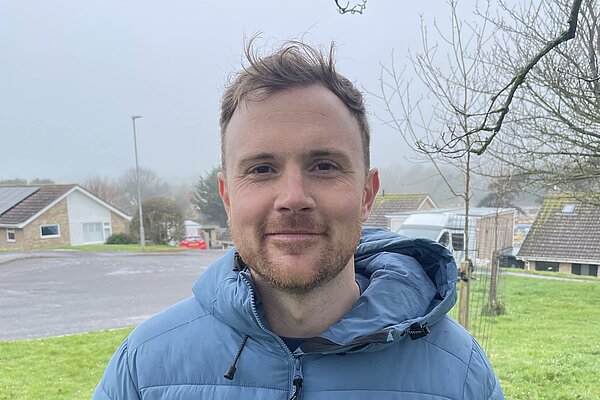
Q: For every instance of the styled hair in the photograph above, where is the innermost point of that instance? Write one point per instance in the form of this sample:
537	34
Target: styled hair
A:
293	65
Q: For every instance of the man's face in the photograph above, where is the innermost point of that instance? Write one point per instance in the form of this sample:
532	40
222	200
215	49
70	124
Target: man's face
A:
295	188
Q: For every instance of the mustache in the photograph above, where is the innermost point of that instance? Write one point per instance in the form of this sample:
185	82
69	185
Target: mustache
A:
294	223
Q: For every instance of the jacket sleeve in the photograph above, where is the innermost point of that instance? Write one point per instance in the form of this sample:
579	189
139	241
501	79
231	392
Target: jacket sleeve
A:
481	382
117	382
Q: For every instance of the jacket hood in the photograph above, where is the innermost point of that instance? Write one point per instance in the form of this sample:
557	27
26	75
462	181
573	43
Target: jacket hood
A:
412	282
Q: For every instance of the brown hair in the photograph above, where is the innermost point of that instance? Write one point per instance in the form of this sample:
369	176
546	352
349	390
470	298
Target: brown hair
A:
294	64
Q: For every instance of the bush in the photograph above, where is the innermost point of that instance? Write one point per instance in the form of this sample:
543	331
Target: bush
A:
163	221
494	309
120	238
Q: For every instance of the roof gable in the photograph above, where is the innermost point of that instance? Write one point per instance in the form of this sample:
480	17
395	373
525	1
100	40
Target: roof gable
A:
566	229
34	203
11	196
23	212
386	204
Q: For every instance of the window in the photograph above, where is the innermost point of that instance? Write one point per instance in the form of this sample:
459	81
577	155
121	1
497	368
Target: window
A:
50	231
445	239
107	230
584	269
93	233
568	209
10	235
546	266
458	241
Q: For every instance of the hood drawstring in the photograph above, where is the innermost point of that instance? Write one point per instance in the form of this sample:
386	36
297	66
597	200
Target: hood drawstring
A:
231	371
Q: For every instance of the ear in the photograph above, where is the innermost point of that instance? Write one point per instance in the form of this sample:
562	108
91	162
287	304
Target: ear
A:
370	192
223	192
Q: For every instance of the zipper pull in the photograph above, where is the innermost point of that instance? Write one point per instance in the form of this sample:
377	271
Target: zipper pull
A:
298	379
297	388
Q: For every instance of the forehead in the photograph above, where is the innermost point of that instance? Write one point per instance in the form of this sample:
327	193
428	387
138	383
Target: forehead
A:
296	120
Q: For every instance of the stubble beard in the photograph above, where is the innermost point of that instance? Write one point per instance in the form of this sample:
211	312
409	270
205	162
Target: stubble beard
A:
326	264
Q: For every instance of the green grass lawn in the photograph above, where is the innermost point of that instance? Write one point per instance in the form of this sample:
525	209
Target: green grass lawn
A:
546	346
555	274
58	368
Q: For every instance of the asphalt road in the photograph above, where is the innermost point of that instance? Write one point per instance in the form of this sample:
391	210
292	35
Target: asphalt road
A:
74	292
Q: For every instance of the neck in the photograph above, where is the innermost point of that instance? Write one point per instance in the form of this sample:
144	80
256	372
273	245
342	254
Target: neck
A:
311	313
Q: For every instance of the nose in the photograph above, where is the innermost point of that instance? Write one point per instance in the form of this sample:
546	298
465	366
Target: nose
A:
293	194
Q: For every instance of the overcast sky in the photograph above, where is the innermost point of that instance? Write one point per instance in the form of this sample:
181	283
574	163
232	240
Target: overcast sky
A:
73	72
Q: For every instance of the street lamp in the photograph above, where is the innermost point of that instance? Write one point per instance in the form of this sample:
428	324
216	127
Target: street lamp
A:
139	191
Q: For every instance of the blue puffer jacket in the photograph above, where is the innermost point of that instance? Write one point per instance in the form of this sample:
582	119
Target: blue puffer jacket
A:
379	350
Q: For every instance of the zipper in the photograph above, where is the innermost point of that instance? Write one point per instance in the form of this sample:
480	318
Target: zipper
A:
297	379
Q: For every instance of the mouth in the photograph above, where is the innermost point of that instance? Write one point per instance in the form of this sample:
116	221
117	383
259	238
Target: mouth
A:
292	234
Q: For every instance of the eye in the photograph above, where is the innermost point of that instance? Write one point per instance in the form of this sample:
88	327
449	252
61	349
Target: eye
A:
324	166
261	169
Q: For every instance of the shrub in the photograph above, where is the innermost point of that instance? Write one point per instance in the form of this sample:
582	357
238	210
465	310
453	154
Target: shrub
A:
163	221
120	238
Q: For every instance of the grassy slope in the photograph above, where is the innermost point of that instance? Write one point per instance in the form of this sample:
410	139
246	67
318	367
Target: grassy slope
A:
545	347
58	368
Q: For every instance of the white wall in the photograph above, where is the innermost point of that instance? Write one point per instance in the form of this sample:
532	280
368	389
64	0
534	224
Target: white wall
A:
83	209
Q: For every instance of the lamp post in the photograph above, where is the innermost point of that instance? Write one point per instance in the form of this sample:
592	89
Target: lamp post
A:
139	190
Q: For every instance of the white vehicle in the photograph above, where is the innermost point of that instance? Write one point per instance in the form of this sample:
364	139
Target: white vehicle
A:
428	226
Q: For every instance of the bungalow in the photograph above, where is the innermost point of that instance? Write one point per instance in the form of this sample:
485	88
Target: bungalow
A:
564	235
44	216
386	204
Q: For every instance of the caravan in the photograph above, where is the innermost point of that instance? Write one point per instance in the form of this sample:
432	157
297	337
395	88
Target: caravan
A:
429	226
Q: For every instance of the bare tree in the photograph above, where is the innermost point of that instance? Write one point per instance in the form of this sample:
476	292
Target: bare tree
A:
356	8
439	127
452	72
106	189
151	186
554	133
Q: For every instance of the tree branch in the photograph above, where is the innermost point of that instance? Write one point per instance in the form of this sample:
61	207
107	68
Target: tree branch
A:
519	78
355	9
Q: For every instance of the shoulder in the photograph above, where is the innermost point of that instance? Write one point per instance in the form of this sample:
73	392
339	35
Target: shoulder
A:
465	359
450	337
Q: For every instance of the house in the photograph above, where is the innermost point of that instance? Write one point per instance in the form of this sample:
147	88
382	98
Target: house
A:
565	235
490	229
44	216
386	204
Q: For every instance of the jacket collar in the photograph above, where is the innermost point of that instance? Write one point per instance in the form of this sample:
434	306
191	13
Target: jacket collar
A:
412	281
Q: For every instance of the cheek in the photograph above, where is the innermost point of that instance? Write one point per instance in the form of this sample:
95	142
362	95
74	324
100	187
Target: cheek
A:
248	209
344	207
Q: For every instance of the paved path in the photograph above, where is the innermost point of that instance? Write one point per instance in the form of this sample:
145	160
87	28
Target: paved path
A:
50	294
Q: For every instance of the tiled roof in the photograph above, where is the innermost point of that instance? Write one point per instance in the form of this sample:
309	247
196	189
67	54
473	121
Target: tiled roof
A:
392	203
560	235
34	203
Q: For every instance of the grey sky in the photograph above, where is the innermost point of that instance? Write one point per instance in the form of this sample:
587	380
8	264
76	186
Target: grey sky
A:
73	72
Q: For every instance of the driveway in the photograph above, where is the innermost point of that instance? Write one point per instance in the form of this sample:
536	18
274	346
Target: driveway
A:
64	293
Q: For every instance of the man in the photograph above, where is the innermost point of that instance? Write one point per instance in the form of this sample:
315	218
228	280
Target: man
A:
308	305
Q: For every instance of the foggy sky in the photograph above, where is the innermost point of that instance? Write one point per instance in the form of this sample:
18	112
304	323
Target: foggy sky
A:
73	72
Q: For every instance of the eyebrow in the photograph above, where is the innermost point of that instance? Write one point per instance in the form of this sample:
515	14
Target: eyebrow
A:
339	156
258	157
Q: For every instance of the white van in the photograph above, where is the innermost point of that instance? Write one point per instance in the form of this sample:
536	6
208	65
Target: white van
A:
428	226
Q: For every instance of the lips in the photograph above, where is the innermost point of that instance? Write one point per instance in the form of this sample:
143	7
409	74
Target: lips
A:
292	233
292	236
